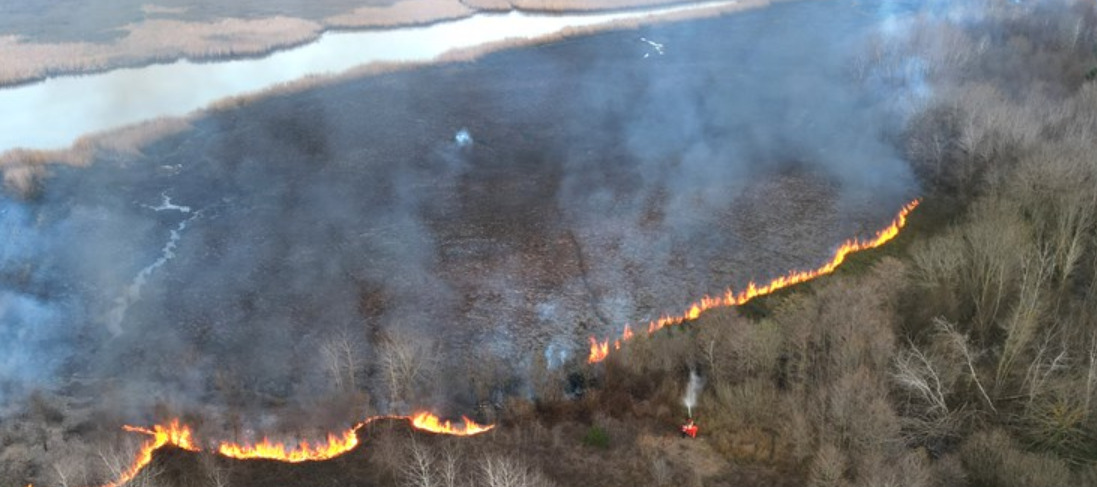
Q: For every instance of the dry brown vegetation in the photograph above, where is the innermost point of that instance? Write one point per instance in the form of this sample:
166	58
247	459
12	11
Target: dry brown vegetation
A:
152	41
400	13
566	5
24	169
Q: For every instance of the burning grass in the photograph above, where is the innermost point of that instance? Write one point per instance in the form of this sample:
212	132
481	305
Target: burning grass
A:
600	350
174	434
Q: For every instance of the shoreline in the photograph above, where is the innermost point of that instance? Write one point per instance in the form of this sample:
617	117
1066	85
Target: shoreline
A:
67	67
24	169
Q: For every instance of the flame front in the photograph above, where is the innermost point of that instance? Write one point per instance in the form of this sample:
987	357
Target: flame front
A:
428	422
599	350
172	434
179	435
304	452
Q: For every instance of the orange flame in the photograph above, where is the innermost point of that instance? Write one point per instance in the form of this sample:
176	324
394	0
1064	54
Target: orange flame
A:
179	435
599	350
344	442
173	434
428	422
304	452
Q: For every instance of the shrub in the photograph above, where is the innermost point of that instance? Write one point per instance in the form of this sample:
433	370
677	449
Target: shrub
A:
992	458
596	437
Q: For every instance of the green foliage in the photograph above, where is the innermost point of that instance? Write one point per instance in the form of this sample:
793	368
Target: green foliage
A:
596	437
1091	75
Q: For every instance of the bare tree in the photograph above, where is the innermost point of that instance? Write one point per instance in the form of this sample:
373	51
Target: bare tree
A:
1023	323
1045	363
62	477
995	240
450	472
419	468
342	352
216	475
499	471
1091	375
914	372
960	341
660	470
69	473
406	360
118	462
828	468
1056	186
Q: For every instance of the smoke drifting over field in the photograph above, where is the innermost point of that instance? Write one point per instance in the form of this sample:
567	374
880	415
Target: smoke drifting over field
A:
600	183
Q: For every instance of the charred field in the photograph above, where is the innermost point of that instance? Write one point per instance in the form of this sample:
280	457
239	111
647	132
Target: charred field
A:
584	201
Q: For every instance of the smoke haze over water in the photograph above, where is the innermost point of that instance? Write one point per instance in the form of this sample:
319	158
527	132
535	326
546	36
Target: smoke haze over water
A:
602	182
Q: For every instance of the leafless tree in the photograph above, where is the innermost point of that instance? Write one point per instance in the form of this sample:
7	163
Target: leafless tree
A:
69	473
118	461
1023	323
660	470
342	358
995	240
914	372
216	475
500	471
960	341
419	469
450	472
406	360
1091	375
828	468
1045	363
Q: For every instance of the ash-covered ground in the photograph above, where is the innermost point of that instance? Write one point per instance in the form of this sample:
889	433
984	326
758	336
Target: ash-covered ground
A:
503	209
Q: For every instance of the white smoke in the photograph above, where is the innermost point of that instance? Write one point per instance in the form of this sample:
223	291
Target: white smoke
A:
463	138
693	390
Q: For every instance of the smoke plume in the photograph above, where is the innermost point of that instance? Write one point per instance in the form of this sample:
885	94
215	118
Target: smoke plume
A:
609	181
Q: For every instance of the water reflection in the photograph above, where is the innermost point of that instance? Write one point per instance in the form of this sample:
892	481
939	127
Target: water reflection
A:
54	113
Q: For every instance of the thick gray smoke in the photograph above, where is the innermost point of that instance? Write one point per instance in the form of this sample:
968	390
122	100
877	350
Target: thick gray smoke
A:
608	182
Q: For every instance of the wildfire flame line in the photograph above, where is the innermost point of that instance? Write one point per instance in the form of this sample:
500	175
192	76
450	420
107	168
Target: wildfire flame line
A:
174	433
599	350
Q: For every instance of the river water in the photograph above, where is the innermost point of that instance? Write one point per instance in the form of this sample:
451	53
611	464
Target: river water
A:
52	114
